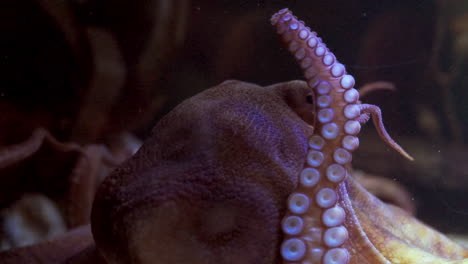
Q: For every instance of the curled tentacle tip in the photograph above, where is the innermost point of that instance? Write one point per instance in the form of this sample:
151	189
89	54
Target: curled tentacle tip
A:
376	113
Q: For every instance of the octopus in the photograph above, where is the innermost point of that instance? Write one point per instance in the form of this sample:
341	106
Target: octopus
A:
242	174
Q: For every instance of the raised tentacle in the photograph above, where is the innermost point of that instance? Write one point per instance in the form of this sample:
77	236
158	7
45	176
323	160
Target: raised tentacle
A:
315	224
376	114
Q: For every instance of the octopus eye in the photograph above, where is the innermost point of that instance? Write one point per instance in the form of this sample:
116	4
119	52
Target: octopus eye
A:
310	99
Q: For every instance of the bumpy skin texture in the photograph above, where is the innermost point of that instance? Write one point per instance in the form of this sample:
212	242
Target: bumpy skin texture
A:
210	184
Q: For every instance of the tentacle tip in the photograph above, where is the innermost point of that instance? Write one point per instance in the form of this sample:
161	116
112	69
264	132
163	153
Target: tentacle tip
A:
274	19
282	11
400	150
408	156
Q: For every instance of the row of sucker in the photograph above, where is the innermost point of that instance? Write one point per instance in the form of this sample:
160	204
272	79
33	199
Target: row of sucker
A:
314	224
